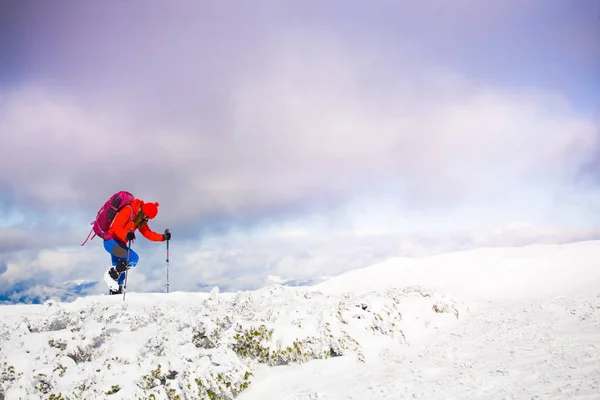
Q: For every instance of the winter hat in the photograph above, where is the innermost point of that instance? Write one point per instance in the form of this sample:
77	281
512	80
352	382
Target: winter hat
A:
150	209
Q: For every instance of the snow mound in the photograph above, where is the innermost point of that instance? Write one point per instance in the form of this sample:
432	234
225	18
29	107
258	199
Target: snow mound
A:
199	345
484	274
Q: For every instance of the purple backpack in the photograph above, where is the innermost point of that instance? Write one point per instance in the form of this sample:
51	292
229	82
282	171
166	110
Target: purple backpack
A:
107	214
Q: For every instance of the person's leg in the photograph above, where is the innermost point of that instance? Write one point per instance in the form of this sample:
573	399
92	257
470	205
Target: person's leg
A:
111	276
110	246
116	249
133	260
118	252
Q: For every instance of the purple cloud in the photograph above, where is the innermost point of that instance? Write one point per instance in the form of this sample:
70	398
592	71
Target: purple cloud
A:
238	111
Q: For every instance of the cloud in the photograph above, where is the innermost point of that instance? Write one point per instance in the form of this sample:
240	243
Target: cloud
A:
307	131
16	239
250	260
246	118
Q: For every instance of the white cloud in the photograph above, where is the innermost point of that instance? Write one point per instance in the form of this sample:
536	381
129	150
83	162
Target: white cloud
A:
256	260
310	129
252	259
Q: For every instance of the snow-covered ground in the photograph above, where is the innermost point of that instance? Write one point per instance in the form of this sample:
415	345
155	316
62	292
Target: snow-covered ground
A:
516	323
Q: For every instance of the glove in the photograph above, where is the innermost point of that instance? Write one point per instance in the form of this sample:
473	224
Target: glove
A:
166	235
130	236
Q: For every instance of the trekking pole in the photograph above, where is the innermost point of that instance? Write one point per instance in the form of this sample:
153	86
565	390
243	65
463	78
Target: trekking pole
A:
127	270
167	231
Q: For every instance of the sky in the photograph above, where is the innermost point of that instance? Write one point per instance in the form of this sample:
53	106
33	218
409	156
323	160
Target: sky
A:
286	141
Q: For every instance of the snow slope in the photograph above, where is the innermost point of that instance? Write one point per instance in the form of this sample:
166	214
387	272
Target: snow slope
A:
488	273
532	331
482	324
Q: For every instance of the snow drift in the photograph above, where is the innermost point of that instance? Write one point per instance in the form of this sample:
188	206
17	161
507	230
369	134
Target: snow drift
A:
488	323
198	345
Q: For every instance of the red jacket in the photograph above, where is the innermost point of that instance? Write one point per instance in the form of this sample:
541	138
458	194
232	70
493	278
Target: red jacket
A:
124	221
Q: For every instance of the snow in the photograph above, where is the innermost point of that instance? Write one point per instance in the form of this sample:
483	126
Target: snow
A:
490	323
487	273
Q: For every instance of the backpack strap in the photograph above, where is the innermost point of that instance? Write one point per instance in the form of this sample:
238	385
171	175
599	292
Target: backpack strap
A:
89	234
131	216
133	213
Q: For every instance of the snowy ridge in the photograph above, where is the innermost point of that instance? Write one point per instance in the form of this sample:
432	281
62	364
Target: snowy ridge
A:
200	345
514	323
536	271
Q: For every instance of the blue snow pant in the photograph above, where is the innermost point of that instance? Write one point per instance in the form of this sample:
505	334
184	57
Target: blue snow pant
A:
118	251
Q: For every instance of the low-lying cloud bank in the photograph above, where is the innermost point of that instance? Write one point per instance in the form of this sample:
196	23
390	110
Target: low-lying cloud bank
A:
246	262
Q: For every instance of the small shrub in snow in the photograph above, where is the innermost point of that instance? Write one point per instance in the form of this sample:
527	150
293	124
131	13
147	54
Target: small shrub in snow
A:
137	322
81	355
54	322
5	332
257	343
224	323
155	345
58	344
44	385
423	292
114	389
222	386
204	340
8	374
61	369
253	342
441	308
158	382
156	378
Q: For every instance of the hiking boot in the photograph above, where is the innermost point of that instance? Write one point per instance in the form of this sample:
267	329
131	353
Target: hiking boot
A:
113	273
111	277
119	291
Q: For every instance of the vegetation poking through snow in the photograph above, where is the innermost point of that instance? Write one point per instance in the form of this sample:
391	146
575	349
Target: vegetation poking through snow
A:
198	345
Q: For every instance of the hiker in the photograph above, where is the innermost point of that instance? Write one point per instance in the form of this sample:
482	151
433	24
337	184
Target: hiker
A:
127	221
116	223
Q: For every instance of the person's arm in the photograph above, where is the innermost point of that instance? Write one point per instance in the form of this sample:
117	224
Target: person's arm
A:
150	234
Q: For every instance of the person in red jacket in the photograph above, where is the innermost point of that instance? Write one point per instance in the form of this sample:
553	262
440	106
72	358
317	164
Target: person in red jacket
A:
131	218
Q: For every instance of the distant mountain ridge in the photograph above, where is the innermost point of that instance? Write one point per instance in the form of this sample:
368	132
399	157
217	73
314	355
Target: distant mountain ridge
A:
28	292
